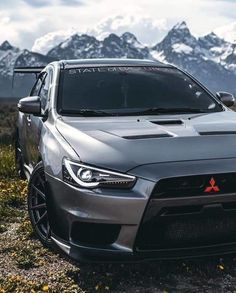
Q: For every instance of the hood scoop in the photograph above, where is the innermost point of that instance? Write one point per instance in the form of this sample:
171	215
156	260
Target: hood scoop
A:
145	132
167	122
217	133
145	136
216	128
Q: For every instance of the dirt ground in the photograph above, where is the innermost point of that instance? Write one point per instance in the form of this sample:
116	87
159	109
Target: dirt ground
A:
25	266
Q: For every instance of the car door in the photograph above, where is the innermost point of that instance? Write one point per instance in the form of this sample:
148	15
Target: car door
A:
26	129
35	124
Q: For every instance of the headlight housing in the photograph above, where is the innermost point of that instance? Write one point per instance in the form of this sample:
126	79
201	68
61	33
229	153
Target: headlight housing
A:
85	176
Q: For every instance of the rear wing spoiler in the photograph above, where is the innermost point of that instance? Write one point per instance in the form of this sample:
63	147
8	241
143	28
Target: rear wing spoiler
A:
27	70
35	70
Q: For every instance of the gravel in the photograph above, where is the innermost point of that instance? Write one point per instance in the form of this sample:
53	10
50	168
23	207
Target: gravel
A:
52	272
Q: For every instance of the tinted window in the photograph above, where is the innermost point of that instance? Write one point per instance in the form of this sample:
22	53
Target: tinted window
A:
125	90
37	86
44	91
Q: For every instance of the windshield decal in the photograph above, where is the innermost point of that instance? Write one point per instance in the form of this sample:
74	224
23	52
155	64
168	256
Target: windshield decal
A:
110	69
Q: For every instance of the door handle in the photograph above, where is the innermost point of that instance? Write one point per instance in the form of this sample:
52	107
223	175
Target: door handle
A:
28	120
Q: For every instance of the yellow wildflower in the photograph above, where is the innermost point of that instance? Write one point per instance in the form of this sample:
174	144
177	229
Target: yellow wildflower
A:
221	267
45	288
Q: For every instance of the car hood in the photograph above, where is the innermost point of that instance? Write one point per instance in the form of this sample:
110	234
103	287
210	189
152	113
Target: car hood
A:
123	143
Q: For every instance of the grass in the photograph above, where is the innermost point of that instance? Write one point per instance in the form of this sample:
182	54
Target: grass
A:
7	162
8	116
20	251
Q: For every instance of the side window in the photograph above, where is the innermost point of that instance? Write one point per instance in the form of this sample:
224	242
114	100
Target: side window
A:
44	91
37	86
42	87
45	88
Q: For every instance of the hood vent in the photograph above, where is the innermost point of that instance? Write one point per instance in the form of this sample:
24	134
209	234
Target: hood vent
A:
145	136
167	122
217	133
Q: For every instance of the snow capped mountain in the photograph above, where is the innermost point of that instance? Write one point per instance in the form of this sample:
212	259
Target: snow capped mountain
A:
11	57
148	31
212	41
76	47
210	58
206	58
179	34
27	58
230	58
8	56
126	46
113	46
6	46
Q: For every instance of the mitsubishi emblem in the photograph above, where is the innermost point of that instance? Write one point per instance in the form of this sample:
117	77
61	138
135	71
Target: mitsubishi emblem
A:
212	187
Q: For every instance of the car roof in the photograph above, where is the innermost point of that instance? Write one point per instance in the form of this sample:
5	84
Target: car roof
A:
110	62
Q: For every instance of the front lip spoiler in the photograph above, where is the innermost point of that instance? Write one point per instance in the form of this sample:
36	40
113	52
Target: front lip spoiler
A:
99	255
63	246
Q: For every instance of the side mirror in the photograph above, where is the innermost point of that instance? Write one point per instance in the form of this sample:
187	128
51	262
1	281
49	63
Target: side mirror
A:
226	98
30	105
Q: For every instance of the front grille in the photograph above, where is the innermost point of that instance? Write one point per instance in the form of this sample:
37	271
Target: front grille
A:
188	186
187	227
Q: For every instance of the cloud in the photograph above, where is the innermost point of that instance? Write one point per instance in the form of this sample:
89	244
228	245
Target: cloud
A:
38	3
147	29
231	1
72	2
6	30
43	3
47	42
227	32
24	21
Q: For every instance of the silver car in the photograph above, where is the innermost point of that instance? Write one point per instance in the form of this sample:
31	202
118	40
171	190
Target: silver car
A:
128	160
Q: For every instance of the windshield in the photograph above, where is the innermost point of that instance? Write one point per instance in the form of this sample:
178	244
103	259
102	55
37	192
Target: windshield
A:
108	91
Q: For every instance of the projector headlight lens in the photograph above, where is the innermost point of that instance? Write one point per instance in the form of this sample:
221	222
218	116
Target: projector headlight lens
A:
82	175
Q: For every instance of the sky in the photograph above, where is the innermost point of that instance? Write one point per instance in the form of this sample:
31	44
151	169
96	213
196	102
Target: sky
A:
39	24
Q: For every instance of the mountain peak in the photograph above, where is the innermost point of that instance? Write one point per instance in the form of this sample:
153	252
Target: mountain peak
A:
213	35
129	37
181	26
211	40
112	36
180	30
179	34
6	46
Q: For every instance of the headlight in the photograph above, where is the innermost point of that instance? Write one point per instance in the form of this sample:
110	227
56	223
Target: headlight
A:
90	177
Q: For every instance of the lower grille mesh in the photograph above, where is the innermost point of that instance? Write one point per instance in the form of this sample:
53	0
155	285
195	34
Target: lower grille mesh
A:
190	230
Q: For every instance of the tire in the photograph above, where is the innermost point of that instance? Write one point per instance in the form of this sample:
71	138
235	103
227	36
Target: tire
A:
19	160
37	206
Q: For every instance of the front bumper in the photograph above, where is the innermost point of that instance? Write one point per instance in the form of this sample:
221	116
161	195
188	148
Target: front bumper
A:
71	208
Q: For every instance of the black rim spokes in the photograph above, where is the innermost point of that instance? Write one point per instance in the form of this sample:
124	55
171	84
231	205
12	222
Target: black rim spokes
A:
38	205
39	192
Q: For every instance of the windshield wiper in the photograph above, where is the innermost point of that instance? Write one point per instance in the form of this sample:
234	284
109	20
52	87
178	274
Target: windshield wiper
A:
155	110
87	113
150	111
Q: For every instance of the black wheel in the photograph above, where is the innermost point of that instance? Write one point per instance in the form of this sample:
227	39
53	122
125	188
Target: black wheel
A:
37	206
19	160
